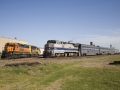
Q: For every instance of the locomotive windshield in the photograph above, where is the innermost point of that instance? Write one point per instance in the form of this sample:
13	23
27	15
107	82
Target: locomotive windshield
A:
51	41
23	45
9	44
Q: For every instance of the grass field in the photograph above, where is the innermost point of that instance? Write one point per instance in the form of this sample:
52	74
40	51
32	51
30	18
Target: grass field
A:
91	73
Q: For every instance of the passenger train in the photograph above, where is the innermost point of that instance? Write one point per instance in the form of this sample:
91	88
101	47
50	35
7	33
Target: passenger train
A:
56	48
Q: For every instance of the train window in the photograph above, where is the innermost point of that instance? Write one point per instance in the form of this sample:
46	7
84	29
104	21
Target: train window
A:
51	41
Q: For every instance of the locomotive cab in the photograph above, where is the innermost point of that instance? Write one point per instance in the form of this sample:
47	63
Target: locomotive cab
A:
9	47
49	48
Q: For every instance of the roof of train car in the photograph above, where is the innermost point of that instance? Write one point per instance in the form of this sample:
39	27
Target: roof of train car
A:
56	41
22	44
26	45
88	45
11	43
104	47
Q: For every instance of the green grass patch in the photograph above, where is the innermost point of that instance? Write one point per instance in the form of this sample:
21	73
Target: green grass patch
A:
65	76
92	79
115	58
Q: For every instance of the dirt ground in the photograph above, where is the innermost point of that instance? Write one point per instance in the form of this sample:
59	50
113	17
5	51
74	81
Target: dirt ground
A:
85	61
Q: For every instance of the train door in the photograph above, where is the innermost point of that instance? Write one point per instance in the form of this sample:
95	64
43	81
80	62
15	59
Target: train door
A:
92	50
79	50
99	50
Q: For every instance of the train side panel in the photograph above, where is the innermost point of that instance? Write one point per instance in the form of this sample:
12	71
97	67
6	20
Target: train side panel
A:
88	50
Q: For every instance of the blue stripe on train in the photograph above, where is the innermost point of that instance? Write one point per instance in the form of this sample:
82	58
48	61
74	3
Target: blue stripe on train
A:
59	48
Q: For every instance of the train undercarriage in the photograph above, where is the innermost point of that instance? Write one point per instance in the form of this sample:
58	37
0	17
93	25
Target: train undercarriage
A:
65	54
12	55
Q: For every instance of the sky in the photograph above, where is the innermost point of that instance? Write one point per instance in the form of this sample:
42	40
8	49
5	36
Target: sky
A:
82	21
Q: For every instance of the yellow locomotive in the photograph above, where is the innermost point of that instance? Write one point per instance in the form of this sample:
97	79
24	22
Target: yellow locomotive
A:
17	50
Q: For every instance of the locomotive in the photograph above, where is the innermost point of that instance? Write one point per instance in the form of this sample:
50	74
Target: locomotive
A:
18	50
56	48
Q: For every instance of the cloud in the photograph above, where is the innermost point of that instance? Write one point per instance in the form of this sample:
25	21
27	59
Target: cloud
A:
115	32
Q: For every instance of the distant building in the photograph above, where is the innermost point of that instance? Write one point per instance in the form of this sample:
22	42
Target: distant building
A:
4	40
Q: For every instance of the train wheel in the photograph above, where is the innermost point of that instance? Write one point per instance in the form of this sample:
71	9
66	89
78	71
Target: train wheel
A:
65	54
8	56
84	54
15	56
76	54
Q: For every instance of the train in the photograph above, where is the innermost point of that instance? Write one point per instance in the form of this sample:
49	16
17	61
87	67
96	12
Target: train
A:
57	48
54	48
18	50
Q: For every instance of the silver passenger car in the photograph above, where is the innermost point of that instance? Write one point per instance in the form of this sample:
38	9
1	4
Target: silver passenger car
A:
88	50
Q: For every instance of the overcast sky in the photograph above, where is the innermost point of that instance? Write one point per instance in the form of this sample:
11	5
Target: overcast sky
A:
82	21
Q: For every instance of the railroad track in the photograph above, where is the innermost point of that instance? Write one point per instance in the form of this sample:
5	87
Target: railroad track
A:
18	60
34	59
